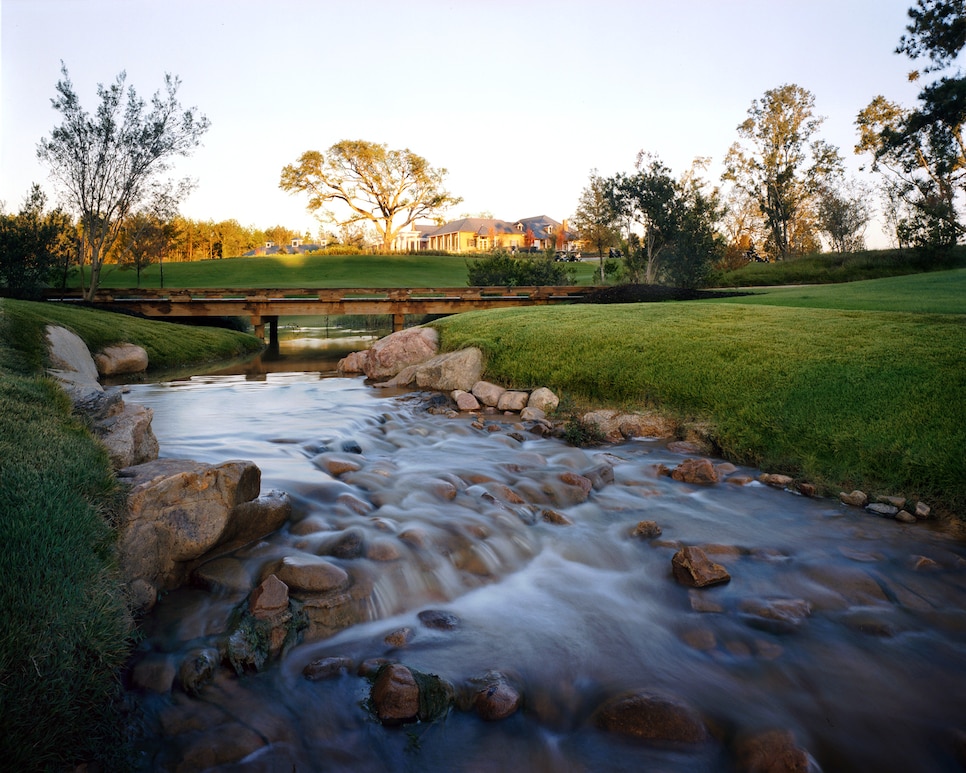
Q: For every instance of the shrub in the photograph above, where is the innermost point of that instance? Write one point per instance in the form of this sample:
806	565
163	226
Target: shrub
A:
501	269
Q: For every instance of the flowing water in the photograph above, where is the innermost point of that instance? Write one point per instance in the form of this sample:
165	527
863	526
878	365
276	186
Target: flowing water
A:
868	670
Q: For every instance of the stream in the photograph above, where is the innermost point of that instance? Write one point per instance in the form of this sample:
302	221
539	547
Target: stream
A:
846	629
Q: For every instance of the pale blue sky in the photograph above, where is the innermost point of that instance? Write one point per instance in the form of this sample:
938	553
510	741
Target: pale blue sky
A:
518	99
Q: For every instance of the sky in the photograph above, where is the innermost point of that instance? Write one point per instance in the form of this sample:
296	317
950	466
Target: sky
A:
519	100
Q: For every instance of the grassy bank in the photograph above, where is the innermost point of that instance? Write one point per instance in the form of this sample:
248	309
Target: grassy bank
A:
832	267
309	271
864	399
66	631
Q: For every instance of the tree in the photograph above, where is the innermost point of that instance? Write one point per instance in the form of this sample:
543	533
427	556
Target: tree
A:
596	219
922	152
649	198
389	189
106	164
32	244
843	214
923	167
781	166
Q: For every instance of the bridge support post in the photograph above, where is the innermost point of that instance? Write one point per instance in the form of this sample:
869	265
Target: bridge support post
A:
398	322
259	326
272	333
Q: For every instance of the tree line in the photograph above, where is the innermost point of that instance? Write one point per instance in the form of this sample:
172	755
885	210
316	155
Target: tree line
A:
783	192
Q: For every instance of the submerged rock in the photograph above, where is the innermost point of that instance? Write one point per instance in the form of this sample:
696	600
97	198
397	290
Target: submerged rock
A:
653	717
774	751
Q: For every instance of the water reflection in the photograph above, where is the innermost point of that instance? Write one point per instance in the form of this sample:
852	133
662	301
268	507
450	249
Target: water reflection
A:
448	517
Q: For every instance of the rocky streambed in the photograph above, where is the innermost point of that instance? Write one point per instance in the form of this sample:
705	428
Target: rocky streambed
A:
461	590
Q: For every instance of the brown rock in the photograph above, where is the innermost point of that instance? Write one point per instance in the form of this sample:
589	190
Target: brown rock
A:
699	471
855	499
700	602
497	699
383	550
355	362
177	512
806	489
775	615
449	371
399	638
555	517
646	530
465	401
197	669
580	481
922	510
311	574
702	639
653	717
693	568
336	465
740	480
269	598
904	516
391	354
487	393
774	751
775	480
513	401
439	619
395	695
121	359
543	399
326	668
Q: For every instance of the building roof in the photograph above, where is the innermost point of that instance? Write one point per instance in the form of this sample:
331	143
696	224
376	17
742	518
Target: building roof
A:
479	225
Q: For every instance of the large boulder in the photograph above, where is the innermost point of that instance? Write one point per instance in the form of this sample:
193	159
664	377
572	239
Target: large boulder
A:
121	359
125	430
391	354
442	373
128	436
71	364
181	513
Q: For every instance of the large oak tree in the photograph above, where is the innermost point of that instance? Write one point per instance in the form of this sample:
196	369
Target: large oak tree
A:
781	165
108	164
388	189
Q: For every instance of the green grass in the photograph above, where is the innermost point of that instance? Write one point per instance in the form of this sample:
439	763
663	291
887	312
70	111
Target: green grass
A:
872	400
936	292
168	345
66	631
309	271
839	267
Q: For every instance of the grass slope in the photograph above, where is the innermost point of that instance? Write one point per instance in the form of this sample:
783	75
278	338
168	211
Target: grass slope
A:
310	271
66	631
872	400
938	292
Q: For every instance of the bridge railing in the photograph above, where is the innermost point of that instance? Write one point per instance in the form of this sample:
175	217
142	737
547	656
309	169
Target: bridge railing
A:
328	294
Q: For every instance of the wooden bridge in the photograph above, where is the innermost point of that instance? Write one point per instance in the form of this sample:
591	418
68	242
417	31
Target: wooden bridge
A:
266	306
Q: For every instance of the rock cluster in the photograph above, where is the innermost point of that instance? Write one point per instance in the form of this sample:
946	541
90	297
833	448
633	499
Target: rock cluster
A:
179	513
182	513
125	430
897	508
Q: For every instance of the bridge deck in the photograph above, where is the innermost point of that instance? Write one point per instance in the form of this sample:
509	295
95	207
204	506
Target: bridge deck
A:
267	305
